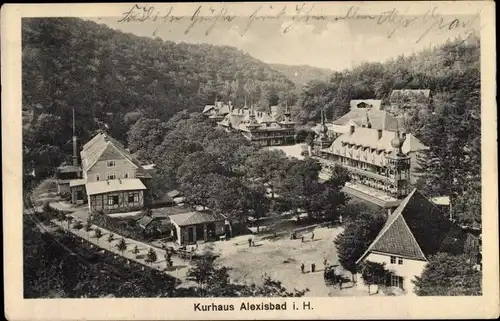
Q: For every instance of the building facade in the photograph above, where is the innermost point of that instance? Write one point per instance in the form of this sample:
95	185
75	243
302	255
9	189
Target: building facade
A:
193	226
382	164
260	127
113	180
217	111
413	232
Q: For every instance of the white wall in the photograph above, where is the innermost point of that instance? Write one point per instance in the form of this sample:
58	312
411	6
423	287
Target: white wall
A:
121	167
408	270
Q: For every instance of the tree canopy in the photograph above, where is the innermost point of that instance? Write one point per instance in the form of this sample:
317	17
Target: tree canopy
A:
449	275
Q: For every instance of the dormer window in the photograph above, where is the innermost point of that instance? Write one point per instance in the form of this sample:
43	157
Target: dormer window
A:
111	163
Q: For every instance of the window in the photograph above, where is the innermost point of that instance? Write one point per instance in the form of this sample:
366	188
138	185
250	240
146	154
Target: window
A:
111	163
133	197
397	281
393	260
113	200
125	175
97	177
400	260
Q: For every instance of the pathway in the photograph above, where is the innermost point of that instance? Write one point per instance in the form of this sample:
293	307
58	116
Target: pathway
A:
180	267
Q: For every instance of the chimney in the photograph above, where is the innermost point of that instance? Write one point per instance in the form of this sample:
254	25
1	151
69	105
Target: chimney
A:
379	131
351	131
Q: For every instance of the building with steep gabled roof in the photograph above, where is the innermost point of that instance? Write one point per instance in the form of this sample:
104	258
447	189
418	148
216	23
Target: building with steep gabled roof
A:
113	179
261	127
415	230
217	111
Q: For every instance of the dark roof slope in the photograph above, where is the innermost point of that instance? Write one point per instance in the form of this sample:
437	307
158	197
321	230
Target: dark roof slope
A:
416	229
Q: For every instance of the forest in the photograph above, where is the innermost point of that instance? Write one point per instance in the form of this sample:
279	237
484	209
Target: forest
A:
126	82
114	78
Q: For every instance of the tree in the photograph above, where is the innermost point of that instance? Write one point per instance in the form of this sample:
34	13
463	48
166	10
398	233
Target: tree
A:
69	219
355	239
98	234
202	271
267	167
374	273
111	237
151	257
449	275
122	245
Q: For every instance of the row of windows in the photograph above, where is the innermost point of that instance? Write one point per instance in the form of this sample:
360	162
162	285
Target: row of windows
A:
132	197
111	175
398	259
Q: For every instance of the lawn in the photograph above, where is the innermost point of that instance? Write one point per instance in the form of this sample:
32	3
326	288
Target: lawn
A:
281	259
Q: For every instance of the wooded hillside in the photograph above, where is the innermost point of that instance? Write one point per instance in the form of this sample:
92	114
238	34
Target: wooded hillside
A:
301	75
117	78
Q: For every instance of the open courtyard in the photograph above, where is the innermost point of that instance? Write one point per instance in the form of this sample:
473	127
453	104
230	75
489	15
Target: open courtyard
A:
281	258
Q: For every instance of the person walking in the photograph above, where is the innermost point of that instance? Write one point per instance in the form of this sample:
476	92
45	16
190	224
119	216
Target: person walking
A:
340	282
313	267
249	242
312	236
302	268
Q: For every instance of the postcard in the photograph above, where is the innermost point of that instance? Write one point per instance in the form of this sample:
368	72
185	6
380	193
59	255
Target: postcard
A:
263	160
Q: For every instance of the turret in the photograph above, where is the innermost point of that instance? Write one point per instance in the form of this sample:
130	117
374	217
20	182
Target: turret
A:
398	167
252	122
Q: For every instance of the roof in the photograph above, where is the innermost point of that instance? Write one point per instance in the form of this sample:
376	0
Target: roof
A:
68	169
441	200
368	137
145	221
370	103
239	118
76	182
410	93
219	108
379	119
174	193
104	147
114	185
415	230
149	167
193	218
207	108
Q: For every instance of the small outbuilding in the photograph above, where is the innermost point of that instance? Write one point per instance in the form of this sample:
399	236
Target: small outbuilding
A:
193	226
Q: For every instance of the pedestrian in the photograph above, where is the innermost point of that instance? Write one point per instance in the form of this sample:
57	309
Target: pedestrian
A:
249	242
312	236
340	282
302	268
313	267
325	262
302	238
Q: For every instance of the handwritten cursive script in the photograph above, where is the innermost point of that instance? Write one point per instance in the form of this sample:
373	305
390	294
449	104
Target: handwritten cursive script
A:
206	16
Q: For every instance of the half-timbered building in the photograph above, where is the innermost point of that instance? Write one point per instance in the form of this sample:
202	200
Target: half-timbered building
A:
113	180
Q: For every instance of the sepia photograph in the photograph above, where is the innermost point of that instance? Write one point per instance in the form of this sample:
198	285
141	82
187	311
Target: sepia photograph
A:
288	152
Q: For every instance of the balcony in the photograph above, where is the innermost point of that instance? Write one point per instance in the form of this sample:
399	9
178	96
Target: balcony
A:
355	170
